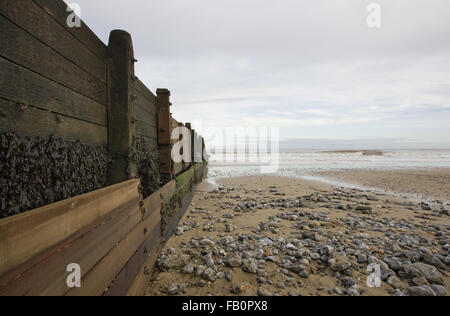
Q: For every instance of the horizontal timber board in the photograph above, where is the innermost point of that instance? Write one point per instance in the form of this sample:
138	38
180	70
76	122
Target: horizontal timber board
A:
151	141
145	104
27	51
173	222
145	116
157	200
36	122
26	235
102	274
129	273
33	19
45	275
96	280
138	286
142	89
145	129
58	10
178	168
185	177
24	86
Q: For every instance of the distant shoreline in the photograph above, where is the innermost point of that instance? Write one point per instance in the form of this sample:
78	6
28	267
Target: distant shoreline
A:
423	183
364	152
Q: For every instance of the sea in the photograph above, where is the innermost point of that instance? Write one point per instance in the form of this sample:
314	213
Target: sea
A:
303	158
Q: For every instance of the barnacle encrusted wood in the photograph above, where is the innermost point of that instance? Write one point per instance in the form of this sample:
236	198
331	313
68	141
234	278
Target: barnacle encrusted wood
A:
37	171
147	161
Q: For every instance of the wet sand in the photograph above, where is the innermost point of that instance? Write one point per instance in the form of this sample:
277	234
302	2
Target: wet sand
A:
423	183
281	236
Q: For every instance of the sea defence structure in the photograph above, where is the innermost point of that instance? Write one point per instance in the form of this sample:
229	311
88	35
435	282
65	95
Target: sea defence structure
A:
88	186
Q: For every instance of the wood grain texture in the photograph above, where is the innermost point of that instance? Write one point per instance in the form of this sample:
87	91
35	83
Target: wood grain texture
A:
146	106
129	273
45	275
36	122
145	129
24	86
58	10
104	272
152	142
25	50
186	198
26	235
36	21
166	160
141	88
144	115
147	233
139	285
164	127
156	201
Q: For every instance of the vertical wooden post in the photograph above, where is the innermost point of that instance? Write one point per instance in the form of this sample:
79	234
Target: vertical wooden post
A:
193	146
121	120
204	158
189	126
164	134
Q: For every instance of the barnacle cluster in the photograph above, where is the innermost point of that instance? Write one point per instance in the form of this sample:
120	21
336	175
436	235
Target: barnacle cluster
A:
35	171
148	162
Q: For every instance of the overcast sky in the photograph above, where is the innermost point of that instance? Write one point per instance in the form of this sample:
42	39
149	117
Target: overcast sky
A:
313	68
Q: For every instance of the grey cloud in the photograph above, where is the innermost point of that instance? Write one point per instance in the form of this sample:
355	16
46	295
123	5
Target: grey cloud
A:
311	66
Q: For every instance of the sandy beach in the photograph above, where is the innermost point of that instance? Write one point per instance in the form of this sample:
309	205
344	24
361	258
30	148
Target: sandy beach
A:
423	183
267	236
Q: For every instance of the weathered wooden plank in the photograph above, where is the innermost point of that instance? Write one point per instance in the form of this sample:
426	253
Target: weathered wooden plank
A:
166	160
142	89
186	201
32	18
141	113
145	113
121	127
25	235
145	104
24	86
35	122
128	274
144	128
185	178
24	49
139	285
95	282
178	168
151	141
199	172
46	274
146	117
160	197
100	276
164	127
58	10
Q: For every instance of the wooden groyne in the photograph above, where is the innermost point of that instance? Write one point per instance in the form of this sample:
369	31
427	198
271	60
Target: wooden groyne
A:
87	175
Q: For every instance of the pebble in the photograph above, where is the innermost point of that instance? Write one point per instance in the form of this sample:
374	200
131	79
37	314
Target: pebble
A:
439	290
405	257
422	290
